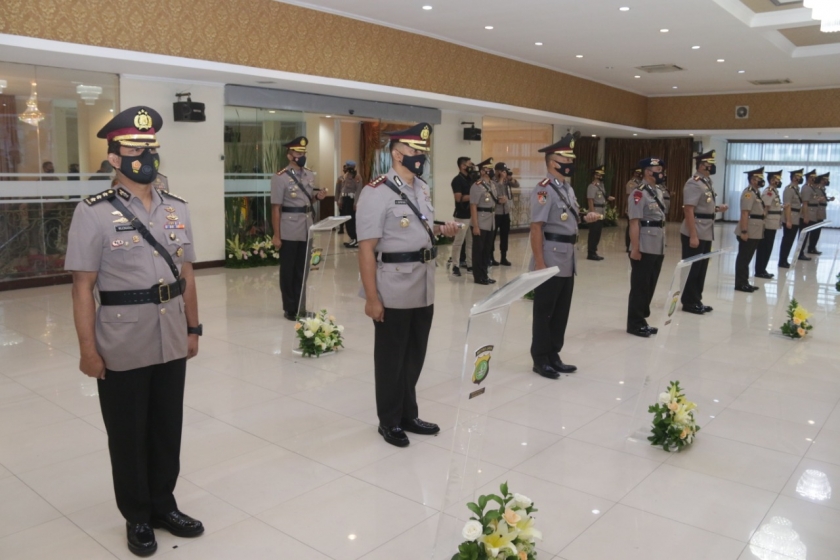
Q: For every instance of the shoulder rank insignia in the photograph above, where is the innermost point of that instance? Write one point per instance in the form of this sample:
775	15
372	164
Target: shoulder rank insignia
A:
378	181
697	178
170	195
544	182
282	171
104	195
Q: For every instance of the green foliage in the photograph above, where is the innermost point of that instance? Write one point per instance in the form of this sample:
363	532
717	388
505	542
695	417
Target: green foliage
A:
797	325
673	421
242	252
318	335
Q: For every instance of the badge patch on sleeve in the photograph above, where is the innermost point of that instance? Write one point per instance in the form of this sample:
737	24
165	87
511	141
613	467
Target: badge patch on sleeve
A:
542	197
637	196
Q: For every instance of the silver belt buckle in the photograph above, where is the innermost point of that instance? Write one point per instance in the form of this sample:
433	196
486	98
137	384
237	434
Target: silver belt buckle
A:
168	293
427	255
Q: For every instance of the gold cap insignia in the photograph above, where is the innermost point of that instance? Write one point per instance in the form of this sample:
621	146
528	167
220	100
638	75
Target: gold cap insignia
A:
303	142
572	145
424	134
142	120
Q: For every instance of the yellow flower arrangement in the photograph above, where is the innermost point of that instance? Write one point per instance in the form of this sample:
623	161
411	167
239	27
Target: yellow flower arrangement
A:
673	422
797	325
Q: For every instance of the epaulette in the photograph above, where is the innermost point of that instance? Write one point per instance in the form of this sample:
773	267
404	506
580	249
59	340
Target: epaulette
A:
175	196
544	182
96	198
282	171
697	178
378	181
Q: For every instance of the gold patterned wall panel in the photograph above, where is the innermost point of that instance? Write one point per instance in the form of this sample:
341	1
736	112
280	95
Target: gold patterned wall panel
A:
273	35
794	109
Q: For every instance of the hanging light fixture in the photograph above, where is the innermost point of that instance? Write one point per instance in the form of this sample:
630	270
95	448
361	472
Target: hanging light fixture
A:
32	115
827	12
89	93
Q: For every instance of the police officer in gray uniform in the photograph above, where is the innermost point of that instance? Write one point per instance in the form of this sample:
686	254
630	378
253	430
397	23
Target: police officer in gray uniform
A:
750	229
810	210
665	193
397	265
597	199
634	183
133	243
791	206
483	202
293	195
772	222
503	189
697	230
647	245
348	188
820	184
554	232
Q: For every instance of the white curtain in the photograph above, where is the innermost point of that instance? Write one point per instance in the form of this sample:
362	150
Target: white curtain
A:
746	156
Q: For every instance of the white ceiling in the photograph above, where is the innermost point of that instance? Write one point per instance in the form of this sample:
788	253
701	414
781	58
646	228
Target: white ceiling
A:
613	43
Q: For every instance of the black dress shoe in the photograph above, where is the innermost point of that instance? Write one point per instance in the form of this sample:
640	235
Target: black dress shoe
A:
418	426
640	331
765	275
491	281
141	539
754	288
745	288
804	258
652	330
484	282
814	252
784	265
494	263
469	268
696	309
289	316
456	271
505	262
394	436
179	524
558	365
593	258
707	308
546	371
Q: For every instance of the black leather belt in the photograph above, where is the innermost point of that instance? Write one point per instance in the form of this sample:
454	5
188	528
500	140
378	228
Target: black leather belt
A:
295	209
485	209
774	213
795	210
756	216
651	223
824	204
705	216
421	256
351	195
598	205
560	238
159	293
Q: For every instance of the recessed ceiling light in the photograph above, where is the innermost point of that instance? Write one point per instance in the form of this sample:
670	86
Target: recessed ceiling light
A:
272	112
594	136
579	56
538	44
664	30
624	9
634	134
427	7
787	136
637	76
691	135
488	27
674	87
721	60
329	116
741	71
695	47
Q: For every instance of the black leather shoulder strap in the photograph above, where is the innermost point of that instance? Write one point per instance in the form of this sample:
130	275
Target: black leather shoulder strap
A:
420	216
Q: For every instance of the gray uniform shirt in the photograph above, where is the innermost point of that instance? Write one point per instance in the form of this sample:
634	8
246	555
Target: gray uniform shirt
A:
699	193
632	185
598	194
773	204
381	214
791	198
285	192
348	186
503	189
644	204
811	195
665	197
751	202
822	213
549	208
100	240
482	196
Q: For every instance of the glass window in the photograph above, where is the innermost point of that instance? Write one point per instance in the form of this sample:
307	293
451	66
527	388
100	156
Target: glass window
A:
49	158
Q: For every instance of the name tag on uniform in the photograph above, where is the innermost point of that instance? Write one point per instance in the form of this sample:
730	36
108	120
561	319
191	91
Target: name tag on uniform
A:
399	201
125	228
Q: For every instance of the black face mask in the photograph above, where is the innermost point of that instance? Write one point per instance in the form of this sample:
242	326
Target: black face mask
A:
414	163
491	174
827	183
761	183
659	177
712	169
800	180
300	162
565	169
141	169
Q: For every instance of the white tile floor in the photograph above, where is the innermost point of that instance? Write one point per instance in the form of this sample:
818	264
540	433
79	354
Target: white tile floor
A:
281	458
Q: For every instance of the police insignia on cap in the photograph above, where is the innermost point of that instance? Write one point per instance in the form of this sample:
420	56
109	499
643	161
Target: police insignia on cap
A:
142	121
303	142
572	144
425	133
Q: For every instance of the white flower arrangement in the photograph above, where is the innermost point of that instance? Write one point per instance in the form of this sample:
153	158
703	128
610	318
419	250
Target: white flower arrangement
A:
673	421
506	532
320	334
256	252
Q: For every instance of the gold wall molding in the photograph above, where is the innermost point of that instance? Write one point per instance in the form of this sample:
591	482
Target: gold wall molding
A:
277	36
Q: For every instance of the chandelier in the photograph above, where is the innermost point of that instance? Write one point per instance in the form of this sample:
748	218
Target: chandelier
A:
32	115
89	93
827	11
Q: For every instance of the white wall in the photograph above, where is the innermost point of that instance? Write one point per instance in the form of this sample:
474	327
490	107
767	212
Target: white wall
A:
448	145
190	154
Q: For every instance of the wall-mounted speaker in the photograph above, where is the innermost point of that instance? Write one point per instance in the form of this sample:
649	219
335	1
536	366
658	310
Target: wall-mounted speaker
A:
742	112
472	134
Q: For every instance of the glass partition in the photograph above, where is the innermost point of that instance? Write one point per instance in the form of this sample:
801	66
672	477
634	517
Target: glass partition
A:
50	158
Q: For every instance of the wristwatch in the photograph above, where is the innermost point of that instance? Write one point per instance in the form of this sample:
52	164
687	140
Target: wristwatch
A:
742	231
199	330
